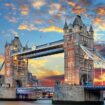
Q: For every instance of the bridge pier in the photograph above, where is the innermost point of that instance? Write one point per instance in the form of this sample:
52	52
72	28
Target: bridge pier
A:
75	95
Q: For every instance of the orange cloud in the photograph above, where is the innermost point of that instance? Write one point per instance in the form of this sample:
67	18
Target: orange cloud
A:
38	68
38	4
1	58
72	3
52	29
97	20
47	66
22	27
1	61
24	10
77	9
100	11
39	63
27	27
47	29
99	77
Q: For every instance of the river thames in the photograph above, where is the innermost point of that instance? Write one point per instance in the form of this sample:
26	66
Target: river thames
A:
39	102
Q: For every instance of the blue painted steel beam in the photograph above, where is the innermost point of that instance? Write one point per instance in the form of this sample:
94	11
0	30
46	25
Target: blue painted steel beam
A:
94	88
43	53
42	48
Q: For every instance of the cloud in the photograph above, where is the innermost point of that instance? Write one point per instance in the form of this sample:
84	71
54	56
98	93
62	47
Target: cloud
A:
73	4
99	78
99	37
99	29
24	9
11	19
14	33
86	2
10	5
50	81
57	56
54	8
38	3
30	27
39	68
1	61
100	11
1	58
99	22
52	29
39	63
46	29
55	77
39	21
76	8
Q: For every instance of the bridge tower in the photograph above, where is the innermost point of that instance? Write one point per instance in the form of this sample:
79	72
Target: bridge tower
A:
8	61
16	69
78	68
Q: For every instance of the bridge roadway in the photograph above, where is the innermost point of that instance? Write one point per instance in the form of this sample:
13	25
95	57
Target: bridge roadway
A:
42	50
94	88
32	89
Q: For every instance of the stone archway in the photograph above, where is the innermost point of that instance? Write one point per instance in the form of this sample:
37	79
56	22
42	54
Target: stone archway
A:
85	79
18	83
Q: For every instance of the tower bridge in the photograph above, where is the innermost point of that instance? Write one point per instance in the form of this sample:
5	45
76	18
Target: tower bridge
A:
79	58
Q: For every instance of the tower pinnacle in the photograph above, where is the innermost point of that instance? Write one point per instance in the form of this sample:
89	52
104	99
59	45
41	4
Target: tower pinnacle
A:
78	21
91	29
65	25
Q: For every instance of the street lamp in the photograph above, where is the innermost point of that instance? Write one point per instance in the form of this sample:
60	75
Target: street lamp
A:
15	57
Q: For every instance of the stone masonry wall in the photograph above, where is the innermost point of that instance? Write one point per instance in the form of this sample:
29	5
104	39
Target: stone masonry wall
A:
9	93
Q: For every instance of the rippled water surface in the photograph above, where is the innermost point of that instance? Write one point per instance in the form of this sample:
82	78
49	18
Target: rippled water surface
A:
39	102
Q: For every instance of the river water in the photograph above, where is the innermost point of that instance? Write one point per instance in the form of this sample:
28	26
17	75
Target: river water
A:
39	102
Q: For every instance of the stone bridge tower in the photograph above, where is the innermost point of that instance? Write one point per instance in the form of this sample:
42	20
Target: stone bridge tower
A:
16	69
78	67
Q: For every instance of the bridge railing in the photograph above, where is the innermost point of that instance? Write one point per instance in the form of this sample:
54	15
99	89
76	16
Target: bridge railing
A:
40	47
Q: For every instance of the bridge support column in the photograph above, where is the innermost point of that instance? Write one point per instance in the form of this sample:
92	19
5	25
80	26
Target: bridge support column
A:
76	95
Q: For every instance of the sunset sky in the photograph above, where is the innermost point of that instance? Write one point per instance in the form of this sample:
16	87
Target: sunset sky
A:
41	21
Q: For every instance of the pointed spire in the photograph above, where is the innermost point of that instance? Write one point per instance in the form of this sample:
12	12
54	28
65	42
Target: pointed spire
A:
26	45
91	29
78	21
65	25
6	44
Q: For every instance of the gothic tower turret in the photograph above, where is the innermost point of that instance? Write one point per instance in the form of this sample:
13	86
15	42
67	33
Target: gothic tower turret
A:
91	31
65	29
78	70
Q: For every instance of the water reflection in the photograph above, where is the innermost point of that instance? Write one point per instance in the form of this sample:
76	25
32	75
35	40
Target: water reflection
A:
39	102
